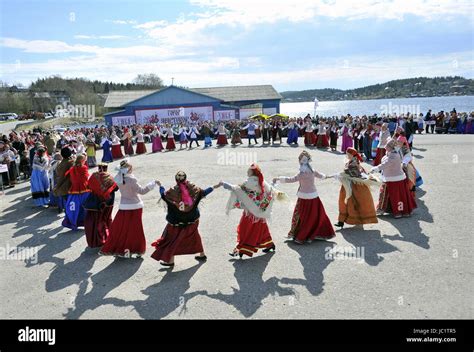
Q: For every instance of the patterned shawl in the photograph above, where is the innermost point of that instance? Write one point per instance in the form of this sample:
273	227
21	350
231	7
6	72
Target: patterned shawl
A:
102	184
174	196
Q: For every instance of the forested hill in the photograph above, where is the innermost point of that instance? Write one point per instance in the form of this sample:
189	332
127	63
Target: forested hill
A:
400	88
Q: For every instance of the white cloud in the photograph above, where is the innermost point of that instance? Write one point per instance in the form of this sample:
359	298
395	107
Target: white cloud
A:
45	46
111	37
122	21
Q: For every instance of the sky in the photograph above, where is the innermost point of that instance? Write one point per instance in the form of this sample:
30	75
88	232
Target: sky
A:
293	45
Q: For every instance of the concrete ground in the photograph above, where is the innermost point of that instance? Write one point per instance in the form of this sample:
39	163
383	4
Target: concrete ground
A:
419	267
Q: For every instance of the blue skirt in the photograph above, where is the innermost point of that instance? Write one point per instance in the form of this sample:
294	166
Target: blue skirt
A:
292	136
207	141
75	212
107	156
40	187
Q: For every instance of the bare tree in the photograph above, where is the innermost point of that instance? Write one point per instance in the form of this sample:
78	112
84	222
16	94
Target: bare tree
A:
148	80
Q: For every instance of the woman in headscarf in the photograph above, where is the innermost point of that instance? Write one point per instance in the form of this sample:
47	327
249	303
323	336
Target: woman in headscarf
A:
356	205
126	235
221	135
91	151
53	199
293	132
99	207
116	147
77	195
62	182
413	176
255	197
127	142
169	135
39	178
105	145
181	234
309	221
157	145
346	136
322	134
309	136
395	196
141	147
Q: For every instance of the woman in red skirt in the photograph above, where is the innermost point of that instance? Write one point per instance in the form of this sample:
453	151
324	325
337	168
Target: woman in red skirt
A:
221	135
395	196
127	143
169	135
127	238
116	147
322	135
309	221
181	234
99	207
255	197
309	136
141	148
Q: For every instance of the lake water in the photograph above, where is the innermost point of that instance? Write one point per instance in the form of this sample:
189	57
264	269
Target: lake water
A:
380	106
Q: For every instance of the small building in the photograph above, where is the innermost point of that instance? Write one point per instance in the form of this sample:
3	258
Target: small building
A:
175	104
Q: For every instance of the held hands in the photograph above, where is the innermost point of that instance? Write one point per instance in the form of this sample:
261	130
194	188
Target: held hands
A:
274	181
217	185
158	183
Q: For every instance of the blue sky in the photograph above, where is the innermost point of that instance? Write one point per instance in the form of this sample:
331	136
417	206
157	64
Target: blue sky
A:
293	45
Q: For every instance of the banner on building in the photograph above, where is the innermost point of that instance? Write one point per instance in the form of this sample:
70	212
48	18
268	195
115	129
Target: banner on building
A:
224	115
174	115
123	120
246	113
269	111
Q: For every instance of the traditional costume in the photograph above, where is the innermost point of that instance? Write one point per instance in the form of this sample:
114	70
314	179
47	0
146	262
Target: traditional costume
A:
333	136
265	133
169	135
77	195
39	178
293	129
322	138
221	135
157	145
62	182
183	137
413	176
236	139
309	221
8	157
251	128
127	143
346	137
181	234
356	205
53	199
309	136
99	207
256	198
116	147
126	235
383	138
107	154
395	196
193	136
141	147
206	133
91	152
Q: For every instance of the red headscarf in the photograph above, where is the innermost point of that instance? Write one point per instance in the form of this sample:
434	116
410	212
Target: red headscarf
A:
258	172
354	152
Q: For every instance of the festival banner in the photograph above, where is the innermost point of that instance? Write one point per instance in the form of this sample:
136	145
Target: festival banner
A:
123	120
224	115
246	113
174	115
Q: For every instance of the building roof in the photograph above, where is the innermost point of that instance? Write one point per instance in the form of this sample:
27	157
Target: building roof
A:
117	99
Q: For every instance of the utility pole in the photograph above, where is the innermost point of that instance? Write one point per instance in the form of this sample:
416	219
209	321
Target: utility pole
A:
172	80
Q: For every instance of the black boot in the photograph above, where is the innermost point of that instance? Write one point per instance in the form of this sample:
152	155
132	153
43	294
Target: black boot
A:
266	250
339	224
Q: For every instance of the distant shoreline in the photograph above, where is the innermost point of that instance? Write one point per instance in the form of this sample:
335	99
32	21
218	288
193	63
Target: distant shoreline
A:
283	101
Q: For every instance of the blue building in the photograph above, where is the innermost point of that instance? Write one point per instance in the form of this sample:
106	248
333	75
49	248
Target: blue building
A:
174	104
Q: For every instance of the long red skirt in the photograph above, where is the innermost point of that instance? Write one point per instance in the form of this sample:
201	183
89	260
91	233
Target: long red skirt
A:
141	148
310	221
221	139
117	151
322	141
170	144
252	235
128	147
378	157
396	198
177	240
309	138
126	234
96	225
360	207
